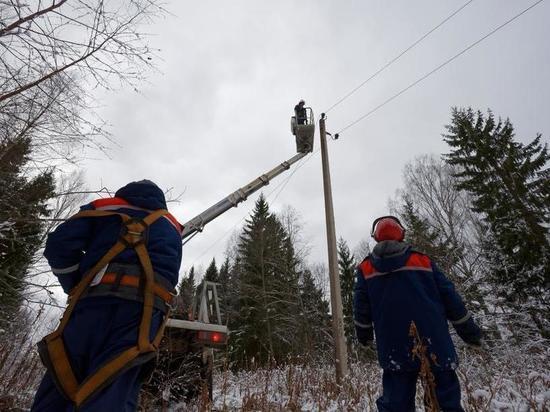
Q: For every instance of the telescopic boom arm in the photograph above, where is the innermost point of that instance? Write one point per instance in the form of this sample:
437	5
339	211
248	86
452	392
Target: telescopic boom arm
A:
197	224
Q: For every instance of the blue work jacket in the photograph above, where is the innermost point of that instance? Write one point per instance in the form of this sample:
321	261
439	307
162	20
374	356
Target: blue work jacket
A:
77	244
395	286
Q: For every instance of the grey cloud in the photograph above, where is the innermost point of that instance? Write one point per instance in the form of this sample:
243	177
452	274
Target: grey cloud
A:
218	115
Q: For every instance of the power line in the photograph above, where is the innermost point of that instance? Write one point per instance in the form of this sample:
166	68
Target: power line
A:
388	64
440	66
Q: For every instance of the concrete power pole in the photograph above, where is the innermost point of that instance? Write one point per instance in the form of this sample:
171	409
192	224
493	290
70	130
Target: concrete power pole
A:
335	294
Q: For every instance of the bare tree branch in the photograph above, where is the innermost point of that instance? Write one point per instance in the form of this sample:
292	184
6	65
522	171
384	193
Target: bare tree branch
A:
4	31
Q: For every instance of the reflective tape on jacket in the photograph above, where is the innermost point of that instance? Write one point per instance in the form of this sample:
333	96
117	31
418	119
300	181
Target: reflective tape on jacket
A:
64	271
416	261
463	319
115	203
362	325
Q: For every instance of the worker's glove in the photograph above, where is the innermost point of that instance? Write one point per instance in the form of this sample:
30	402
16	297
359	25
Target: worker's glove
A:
365	336
469	332
367	352
476	342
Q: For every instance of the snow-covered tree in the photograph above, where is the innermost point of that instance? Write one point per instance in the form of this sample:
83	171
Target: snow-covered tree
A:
440	222
23	201
509	183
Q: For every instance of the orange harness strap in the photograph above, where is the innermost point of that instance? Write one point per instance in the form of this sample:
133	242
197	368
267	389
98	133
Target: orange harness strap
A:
110	278
52	349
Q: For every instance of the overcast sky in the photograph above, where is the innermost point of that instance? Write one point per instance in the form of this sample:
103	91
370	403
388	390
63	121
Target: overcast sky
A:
218	114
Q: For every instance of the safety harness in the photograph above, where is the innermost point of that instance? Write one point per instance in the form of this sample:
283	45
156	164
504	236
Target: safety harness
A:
51	347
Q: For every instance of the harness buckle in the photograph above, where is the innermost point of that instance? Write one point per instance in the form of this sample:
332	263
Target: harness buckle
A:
133	232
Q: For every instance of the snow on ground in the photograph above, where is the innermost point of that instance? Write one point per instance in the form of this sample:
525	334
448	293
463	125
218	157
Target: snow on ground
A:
504	384
505	379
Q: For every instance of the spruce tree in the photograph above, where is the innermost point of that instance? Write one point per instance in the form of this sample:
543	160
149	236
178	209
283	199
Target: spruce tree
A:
211	273
315	329
510	185
224	273
186	292
226	290
346	265
269	298
23	200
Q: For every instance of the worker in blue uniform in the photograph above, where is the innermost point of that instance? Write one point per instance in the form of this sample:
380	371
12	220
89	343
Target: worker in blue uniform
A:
301	112
105	321
397	285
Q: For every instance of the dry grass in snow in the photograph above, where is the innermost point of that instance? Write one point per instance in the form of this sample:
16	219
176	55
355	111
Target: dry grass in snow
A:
508	380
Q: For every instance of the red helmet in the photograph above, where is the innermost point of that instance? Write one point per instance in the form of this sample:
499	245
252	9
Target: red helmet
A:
387	228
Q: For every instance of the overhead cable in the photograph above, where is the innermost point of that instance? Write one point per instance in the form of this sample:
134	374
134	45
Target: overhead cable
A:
410	86
392	61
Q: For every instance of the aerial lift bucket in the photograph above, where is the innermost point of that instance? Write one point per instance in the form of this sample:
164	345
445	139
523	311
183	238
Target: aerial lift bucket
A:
304	131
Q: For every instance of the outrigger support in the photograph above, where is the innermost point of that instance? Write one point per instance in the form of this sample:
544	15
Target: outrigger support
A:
197	224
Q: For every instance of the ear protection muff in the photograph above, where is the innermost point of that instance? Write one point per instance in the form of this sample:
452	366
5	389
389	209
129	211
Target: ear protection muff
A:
376	221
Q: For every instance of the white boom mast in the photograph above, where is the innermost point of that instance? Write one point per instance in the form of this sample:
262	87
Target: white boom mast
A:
197	224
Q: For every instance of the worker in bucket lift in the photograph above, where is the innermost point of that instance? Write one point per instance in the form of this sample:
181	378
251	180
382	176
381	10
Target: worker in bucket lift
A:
396	285
136	245
300	111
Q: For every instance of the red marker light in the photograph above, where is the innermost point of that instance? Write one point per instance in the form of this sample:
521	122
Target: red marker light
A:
207	337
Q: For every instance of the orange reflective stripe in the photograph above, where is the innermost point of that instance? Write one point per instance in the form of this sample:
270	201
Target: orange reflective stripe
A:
367	269
419	260
115	203
128	280
109	201
175	222
415	262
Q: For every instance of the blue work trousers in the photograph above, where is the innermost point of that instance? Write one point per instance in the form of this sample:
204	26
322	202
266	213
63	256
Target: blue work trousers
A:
99	329
399	390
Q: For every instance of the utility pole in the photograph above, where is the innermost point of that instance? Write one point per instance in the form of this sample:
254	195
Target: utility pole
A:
335	294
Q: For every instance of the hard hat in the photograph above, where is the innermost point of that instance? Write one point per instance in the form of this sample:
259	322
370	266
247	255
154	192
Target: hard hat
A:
387	228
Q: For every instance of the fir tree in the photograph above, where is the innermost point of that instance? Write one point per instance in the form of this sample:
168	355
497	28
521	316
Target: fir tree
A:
315	328
23	200
269	294
211	273
224	273
226	290
510	186
346	265
186	292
